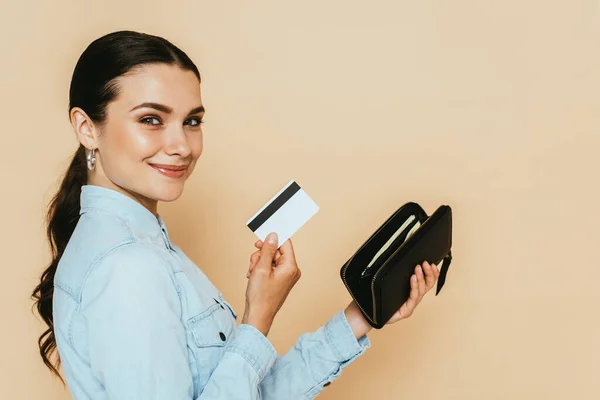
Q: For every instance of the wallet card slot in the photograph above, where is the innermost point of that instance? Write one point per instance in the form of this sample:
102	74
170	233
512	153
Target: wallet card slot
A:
368	250
399	237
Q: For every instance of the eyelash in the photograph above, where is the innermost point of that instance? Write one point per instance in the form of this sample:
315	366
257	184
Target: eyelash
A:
143	121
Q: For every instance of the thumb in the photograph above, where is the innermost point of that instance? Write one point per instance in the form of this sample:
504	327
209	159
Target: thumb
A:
267	251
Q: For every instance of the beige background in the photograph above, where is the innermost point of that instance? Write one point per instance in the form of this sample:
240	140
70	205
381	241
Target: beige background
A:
491	107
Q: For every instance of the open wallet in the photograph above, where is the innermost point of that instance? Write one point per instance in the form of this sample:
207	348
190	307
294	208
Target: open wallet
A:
378	274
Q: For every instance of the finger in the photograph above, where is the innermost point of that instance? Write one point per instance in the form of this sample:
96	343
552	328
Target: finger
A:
287	250
436	269
414	290
267	252
254	257
436	273
429	275
409	305
420	281
286	264
253	260
259	244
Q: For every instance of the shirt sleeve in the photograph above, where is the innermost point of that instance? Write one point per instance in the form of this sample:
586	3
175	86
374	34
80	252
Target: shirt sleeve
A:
248	357
315	361
137	342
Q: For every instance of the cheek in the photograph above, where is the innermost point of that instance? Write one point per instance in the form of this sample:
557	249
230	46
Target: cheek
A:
144	145
123	149
196	146
133	145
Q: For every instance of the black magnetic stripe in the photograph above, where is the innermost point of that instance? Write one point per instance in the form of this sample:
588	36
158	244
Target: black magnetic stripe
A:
274	206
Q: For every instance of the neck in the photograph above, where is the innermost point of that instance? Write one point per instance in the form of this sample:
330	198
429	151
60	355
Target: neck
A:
150	204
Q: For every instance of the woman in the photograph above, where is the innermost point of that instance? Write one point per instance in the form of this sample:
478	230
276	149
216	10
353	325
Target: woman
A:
130	315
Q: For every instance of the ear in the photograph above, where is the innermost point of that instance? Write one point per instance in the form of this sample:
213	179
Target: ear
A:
84	128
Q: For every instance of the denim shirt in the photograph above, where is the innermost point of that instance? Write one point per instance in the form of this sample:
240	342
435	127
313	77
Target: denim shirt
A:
135	318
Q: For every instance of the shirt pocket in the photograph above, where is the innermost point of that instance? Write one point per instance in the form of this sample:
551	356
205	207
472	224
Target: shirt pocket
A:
211	331
222	300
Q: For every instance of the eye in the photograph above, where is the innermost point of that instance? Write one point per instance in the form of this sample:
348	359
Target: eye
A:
197	120
145	120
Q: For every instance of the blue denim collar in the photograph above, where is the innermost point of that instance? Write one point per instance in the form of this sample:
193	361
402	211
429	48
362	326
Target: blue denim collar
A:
133	213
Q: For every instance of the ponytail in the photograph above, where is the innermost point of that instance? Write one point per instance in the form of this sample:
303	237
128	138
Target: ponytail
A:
94	85
62	217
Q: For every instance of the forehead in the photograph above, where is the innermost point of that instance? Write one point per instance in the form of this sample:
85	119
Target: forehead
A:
160	83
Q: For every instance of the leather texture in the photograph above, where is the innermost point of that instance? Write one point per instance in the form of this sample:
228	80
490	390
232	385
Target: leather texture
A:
384	286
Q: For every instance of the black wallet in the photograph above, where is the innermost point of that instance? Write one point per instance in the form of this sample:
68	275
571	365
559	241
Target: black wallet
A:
378	274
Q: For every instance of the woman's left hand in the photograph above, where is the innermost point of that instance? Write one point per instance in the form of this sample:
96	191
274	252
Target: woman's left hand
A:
419	285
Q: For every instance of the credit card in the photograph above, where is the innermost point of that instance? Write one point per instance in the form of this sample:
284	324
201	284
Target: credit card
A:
284	213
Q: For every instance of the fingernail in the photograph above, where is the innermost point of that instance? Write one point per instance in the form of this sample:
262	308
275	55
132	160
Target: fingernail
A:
272	238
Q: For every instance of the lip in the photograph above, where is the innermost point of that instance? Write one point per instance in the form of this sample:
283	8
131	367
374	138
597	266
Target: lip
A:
172	171
170	167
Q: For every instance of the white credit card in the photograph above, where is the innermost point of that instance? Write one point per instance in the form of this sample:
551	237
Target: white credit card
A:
284	214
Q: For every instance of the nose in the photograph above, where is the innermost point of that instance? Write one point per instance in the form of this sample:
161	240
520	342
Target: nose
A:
177	143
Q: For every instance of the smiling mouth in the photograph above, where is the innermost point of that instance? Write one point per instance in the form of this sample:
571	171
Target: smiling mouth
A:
171	171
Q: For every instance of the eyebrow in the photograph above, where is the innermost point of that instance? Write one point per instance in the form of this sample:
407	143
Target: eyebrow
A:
166	109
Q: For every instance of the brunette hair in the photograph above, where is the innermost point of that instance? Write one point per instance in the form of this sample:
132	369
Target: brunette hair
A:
93	87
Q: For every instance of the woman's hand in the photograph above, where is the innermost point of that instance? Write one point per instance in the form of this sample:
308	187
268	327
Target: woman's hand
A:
271	275
420	284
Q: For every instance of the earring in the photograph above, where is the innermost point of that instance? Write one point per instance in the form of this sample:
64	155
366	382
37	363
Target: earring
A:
91	159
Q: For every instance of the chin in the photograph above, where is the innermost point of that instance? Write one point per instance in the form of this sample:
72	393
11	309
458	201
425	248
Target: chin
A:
169	192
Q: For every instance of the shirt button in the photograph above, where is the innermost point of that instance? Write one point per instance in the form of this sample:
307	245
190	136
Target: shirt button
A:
222	335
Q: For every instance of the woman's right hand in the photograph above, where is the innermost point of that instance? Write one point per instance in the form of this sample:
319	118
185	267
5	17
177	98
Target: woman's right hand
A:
272	274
